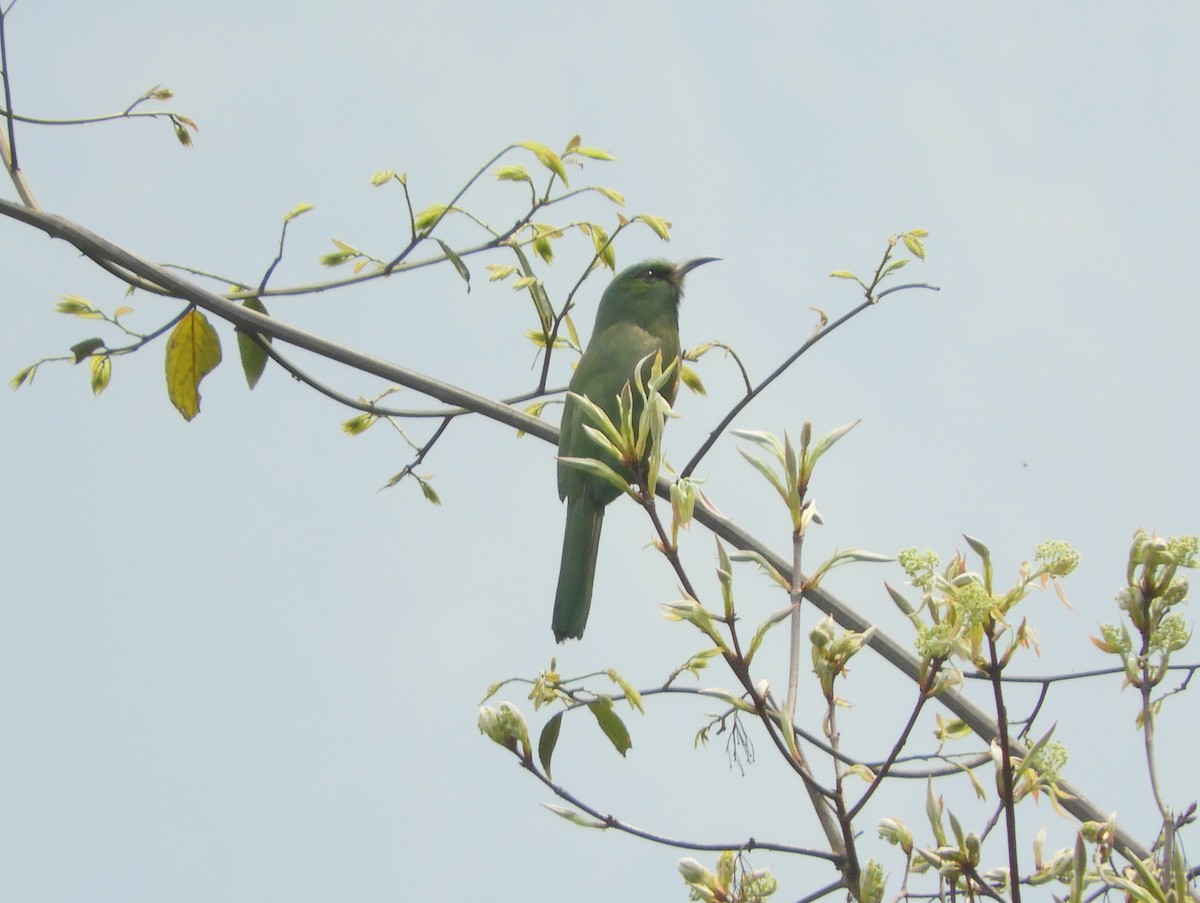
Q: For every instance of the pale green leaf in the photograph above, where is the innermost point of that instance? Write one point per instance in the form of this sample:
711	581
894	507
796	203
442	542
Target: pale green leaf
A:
575	818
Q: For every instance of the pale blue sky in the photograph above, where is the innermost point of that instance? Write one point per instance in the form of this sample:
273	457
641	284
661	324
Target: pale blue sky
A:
230	669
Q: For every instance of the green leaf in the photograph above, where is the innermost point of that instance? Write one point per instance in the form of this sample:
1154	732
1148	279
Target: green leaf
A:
547	158
497	272
83	349
382	176
193	351
661	227
428	491
548	740
543	248
253	355
101	373
611	724
453	257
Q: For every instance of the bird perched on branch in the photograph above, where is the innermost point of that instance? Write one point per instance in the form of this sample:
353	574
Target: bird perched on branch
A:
638	316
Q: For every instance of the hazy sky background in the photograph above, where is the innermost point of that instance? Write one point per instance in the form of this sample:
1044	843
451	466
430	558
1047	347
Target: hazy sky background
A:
232	670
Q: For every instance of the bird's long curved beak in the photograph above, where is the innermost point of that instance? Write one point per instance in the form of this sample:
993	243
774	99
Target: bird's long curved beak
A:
682	269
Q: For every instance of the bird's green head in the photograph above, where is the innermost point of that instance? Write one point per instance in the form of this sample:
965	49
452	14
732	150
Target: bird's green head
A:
648	290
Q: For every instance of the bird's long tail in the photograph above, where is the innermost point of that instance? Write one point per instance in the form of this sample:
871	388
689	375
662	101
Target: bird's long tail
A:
581	542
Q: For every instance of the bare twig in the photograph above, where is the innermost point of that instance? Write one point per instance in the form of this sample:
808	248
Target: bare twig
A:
610	821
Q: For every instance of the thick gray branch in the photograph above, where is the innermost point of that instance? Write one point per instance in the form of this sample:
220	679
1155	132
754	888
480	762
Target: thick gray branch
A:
109	255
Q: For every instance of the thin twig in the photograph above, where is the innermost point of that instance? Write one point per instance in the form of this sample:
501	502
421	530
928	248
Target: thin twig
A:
1006	769
610	821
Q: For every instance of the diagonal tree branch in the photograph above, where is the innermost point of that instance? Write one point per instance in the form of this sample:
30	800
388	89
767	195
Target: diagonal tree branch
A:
107	254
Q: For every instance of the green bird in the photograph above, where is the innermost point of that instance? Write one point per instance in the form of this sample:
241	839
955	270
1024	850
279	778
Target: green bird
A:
638	315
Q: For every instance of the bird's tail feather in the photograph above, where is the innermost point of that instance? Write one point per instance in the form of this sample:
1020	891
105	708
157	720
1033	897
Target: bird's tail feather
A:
581	542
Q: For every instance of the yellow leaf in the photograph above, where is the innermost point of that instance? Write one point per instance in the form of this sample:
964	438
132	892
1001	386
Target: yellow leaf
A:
615	196
297	211
594	153
691	379
193	351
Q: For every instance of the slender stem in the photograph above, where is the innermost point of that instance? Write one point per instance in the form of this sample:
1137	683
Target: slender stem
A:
758	390
823	892
1006	770
610	821
883	771
8	145
797	596
8	105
